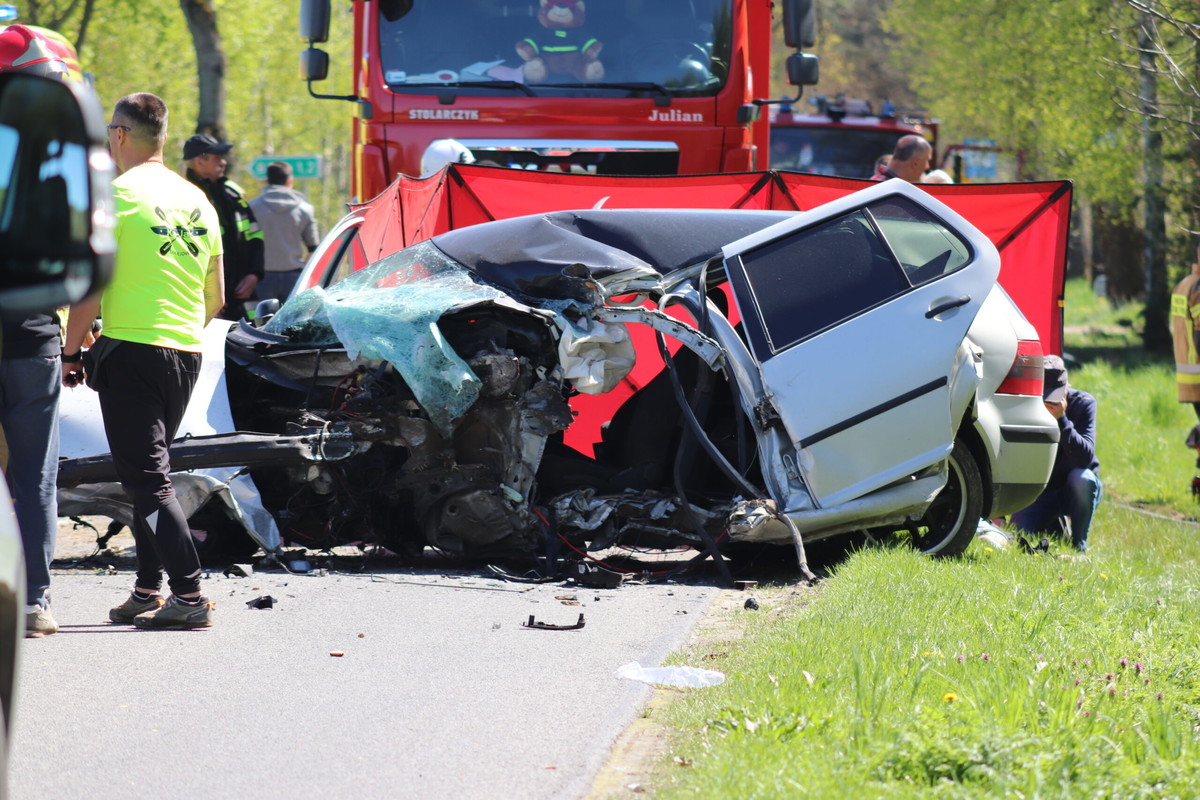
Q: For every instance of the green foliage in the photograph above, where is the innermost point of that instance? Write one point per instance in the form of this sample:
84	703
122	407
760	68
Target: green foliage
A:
1032	75
146	47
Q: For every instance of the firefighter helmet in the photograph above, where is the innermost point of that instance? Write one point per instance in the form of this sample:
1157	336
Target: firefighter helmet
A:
38	50
442	152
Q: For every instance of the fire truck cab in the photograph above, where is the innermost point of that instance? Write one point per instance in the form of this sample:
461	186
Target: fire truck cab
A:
844	136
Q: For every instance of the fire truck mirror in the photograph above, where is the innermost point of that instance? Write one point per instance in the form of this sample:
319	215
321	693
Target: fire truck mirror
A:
314	64
314	21
800	23
803	69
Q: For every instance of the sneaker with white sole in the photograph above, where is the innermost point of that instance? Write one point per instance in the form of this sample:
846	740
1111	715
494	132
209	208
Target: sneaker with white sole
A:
177	615
39	623
132	607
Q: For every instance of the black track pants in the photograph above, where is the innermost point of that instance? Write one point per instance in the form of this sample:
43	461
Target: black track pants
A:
144	391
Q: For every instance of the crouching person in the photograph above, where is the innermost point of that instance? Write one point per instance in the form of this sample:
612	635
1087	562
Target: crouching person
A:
167	285
1074	489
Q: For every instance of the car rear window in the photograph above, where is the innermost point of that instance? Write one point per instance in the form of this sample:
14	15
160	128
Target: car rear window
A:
926	248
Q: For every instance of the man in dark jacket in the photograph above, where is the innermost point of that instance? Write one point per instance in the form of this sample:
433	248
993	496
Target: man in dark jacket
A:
240	234
1074	489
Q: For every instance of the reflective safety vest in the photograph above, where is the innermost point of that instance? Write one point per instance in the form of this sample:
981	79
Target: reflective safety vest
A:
1185	332
561	43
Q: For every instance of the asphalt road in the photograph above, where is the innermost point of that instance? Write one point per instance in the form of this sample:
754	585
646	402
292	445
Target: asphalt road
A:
440	693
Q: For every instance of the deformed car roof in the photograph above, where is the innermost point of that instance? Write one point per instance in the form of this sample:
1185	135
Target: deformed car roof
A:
534	255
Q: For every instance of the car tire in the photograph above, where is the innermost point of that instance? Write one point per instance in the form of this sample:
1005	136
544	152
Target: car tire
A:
950	522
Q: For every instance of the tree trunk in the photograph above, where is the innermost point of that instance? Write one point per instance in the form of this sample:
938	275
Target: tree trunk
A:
201	16
1193	150
88	7
1156	336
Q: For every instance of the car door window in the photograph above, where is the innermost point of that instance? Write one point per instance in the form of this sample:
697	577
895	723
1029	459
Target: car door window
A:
807	282
926	248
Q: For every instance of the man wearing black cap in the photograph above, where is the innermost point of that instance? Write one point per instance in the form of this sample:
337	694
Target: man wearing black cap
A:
240	235
1074	489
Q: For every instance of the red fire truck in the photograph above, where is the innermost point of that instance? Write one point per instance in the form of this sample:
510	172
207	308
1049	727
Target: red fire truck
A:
621	87
844	136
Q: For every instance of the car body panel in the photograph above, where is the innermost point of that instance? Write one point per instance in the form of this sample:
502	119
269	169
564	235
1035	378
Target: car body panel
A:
880	408
81	432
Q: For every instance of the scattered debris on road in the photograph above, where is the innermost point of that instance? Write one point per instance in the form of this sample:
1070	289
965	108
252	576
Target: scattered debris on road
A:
533	624
679	677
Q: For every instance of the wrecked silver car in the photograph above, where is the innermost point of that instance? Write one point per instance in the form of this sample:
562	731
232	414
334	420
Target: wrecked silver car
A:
638	377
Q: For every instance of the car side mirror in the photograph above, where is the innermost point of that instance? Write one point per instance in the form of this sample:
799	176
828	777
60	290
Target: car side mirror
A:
265	310
56	205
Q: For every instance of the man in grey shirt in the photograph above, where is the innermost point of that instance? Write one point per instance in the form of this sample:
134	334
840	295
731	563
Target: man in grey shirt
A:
289	229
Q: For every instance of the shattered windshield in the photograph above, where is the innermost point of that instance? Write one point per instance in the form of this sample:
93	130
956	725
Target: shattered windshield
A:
389	311
682	46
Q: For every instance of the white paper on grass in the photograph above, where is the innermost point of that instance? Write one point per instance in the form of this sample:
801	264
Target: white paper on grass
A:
682	677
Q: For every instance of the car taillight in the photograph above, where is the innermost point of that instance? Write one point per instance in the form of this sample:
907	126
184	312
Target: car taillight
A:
1025	374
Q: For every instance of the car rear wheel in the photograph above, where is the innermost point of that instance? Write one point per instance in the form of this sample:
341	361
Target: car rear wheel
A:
950	522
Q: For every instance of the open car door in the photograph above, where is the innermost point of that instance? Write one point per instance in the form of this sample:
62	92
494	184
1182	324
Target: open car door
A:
855	312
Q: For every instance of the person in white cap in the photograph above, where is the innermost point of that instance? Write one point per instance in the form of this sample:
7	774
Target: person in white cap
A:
442	152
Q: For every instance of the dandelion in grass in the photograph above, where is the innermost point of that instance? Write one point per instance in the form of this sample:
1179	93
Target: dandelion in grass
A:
950	697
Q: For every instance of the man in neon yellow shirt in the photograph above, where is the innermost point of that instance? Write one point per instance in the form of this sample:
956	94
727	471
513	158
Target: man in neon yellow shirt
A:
167	286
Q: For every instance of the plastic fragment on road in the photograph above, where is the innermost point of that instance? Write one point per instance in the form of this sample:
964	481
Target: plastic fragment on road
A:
680	677
266	601
336	653
533	624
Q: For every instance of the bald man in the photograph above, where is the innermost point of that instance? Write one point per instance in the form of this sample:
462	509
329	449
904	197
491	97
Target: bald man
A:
909	160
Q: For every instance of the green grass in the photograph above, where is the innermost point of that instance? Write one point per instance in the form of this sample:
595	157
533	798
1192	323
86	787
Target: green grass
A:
996	675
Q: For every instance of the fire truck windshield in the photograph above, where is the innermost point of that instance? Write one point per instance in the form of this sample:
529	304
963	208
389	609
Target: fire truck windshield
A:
485	47
842	150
